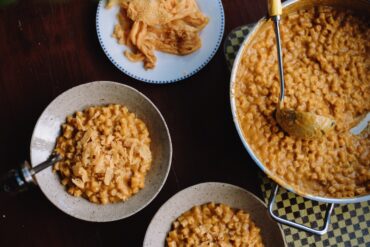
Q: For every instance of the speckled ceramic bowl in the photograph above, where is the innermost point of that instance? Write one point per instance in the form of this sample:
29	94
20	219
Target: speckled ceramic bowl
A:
48	128
202	193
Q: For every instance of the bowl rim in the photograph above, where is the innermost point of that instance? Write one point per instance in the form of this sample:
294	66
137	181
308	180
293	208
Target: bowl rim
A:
256	160
147	202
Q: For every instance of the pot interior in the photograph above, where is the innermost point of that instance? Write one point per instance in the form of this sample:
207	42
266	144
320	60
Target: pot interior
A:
360	7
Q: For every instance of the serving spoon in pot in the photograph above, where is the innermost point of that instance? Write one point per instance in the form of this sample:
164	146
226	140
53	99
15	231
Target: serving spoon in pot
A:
305	125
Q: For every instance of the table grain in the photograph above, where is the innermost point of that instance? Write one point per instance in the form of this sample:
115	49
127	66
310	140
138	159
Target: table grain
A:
47	47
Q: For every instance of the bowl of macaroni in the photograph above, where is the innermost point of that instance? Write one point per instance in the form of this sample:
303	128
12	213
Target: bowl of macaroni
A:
213	214
115	151
326	61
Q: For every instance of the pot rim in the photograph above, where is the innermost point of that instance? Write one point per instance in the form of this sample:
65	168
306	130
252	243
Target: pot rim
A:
274	177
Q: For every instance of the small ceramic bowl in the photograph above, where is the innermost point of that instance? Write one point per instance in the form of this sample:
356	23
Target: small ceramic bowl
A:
48	127
199	194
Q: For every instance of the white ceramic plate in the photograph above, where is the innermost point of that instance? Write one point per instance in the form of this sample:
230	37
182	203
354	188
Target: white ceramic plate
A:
169	68
199	194
48	127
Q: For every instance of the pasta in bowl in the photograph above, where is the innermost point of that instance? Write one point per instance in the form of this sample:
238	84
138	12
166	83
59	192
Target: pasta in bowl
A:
105	154
216	224
196	216
88	172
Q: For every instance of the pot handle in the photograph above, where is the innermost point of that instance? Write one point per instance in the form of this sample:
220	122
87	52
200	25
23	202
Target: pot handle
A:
277	218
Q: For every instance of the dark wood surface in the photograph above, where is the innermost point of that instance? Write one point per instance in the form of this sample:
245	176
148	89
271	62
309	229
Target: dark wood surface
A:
47	47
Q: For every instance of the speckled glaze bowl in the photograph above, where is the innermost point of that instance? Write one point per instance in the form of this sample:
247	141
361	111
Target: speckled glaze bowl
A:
199	194
48	127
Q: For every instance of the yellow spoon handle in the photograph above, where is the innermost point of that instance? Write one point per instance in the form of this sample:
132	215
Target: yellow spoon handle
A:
274	7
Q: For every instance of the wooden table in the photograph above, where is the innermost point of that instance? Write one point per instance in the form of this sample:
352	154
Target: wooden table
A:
47	47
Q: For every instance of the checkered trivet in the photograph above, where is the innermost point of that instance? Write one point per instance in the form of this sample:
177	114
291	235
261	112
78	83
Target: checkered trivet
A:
233	42
350	223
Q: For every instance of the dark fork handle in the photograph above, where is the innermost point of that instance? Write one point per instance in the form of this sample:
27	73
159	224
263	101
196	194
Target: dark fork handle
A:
17	180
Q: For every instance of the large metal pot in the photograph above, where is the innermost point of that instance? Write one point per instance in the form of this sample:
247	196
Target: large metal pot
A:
289	7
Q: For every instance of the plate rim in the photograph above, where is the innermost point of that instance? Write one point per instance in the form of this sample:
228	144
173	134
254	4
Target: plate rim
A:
179	78
138	209
212	183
